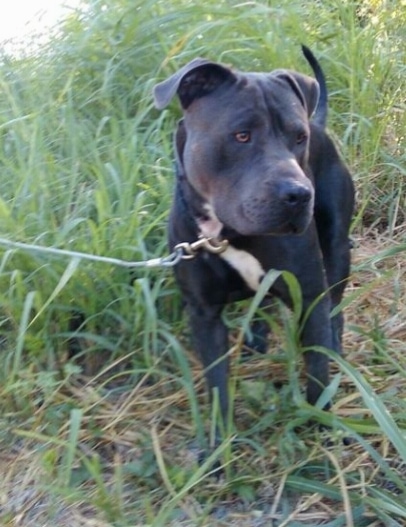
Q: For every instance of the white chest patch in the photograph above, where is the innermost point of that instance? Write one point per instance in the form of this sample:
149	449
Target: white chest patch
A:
246	265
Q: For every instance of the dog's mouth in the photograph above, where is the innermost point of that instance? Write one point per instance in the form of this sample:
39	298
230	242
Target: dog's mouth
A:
293	229
288	229
267	224
258	217
296	228
230	222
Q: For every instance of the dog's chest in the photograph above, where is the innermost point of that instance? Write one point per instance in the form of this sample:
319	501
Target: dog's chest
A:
247	266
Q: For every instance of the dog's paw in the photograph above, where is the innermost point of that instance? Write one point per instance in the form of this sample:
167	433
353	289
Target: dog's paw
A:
257	342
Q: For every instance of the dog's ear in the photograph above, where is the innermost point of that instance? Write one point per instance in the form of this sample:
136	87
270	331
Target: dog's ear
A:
306	88
198	78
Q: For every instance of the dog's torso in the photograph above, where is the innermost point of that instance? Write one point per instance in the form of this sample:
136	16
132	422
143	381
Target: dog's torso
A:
255	169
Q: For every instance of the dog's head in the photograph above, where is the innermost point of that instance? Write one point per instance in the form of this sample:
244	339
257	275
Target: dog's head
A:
243	144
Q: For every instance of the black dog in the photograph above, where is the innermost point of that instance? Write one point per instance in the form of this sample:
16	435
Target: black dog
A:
254	167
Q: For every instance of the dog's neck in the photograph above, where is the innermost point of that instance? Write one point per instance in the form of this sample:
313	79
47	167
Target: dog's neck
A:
199	211
191	202
204	222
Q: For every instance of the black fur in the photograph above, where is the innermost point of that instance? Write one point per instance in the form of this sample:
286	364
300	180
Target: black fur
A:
285	197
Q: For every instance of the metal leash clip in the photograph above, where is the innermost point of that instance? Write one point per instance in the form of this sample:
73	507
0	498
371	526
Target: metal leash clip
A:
210	245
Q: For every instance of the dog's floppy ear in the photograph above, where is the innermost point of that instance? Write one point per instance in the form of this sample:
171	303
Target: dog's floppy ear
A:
306	88
196	79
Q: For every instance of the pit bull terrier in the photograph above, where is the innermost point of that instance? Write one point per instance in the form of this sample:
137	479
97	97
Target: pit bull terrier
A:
256	167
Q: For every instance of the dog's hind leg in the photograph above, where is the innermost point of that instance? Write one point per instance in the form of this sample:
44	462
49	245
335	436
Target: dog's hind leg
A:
336	255
317	333
333	213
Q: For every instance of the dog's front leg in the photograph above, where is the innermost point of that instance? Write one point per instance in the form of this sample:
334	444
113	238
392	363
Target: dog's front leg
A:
210	339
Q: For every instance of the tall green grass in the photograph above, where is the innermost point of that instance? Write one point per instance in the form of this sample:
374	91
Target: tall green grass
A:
87	164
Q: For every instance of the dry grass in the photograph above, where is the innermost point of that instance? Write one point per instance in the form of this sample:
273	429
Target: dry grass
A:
24	501
87	165
146	417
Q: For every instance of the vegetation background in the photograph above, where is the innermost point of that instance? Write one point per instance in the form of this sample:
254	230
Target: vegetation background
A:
107	438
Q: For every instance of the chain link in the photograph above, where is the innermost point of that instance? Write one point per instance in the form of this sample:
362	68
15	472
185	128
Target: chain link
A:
208	244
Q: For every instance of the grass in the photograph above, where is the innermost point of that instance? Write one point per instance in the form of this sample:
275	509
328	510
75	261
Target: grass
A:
86	164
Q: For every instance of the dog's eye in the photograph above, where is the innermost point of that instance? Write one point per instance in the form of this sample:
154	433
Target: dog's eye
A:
301	137
242	137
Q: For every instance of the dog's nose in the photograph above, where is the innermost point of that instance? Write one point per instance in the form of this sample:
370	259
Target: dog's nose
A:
294	195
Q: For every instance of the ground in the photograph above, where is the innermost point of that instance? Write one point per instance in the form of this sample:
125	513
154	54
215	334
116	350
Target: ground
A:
375	322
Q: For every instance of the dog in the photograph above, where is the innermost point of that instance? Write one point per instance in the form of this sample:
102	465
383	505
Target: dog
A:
256	167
